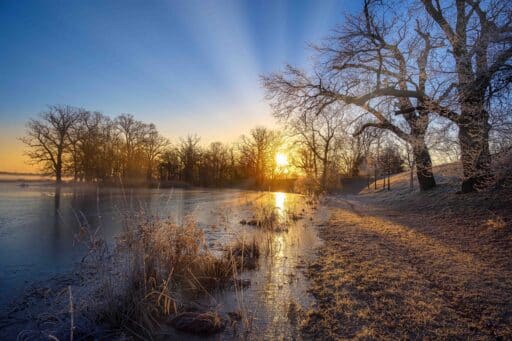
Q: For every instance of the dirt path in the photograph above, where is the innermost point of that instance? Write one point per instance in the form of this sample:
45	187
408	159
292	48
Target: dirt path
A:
397	274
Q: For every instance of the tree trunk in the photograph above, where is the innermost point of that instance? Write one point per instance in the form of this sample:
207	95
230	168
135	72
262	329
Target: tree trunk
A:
423	166
324	175
375	177
325	165
474	144
411	178
58	175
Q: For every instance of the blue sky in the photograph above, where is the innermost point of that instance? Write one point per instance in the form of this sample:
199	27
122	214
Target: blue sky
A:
187	66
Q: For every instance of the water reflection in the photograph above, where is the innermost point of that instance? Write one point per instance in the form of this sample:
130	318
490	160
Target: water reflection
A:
56	200
279	243
278	287
280	200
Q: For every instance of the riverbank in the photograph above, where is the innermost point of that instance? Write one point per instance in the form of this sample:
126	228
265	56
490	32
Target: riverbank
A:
403	264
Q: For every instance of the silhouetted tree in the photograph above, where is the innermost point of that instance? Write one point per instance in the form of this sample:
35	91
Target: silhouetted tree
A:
478	35
367	59
47	138
258	153
153	146
189	154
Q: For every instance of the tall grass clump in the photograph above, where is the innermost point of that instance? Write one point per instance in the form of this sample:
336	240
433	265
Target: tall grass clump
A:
163	266
269	217
243	254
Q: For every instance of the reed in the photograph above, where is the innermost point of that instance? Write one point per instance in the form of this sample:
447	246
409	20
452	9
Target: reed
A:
162	266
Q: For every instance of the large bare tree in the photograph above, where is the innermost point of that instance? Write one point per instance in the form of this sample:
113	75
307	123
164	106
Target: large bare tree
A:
370	63
451	59
477	65
47	138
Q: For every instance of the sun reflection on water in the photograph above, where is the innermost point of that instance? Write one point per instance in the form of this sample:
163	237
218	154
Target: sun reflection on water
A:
280	199
279	244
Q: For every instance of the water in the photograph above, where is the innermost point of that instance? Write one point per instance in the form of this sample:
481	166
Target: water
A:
38	228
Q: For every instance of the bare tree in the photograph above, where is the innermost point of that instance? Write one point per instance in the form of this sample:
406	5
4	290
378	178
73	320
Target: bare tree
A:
369	64
101	148
74	137
47	138
214	166
479	36
133	134
153	147
352	151
170	164
318	133
258	153
189	154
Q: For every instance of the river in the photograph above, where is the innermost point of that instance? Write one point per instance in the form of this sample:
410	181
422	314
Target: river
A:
39	224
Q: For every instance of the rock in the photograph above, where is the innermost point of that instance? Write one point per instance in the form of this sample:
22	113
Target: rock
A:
198	323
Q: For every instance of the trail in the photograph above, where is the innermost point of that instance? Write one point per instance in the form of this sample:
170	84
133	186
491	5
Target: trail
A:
397	274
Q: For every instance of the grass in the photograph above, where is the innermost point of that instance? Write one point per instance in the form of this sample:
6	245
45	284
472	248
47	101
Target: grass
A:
154	275
410	265
270	216
243	254
199	323
167	265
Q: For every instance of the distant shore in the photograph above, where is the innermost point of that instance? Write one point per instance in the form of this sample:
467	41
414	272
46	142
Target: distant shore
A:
286	185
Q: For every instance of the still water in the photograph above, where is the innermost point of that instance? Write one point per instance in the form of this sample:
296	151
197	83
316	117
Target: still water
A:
38	228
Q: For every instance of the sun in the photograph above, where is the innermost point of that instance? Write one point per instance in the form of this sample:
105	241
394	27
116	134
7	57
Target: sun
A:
281	160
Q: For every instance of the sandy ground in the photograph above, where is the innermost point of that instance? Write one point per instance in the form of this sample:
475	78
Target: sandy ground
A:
403	264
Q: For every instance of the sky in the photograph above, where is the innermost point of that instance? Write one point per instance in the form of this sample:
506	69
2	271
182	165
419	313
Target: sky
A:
187	66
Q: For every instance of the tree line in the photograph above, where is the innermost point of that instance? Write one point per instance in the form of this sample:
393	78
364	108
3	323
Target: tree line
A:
88	146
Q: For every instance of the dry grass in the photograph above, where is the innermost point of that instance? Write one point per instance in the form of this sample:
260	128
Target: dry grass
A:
270	217
198	323
161	268
415	265
243	254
